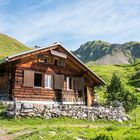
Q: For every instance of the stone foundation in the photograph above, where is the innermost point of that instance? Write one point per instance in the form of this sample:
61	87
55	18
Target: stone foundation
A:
73	111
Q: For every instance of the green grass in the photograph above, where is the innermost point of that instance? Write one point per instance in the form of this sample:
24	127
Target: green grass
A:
10	46
129	75
67	128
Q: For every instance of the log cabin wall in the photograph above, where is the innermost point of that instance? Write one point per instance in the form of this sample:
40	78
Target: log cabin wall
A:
4	83
36	64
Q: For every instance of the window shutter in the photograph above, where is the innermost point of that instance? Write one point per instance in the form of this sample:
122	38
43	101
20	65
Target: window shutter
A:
28	78
79	83
58	81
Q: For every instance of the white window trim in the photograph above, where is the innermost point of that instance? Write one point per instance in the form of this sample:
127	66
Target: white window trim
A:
68	84
48	80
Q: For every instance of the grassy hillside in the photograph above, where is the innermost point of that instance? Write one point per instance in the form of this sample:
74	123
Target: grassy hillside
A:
10	46
129	75
103	53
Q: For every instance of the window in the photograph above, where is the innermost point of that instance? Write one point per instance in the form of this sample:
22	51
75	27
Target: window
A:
56	62
62	63
48	81
46	60
70	83
38	80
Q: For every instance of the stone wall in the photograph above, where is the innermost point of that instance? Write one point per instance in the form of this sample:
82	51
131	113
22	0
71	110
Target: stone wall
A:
73	111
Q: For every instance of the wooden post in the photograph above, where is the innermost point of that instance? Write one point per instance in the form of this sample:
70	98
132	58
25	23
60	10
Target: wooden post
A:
89	96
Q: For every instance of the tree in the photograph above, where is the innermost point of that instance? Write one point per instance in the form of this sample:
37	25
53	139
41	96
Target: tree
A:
116	92
129	101
114	89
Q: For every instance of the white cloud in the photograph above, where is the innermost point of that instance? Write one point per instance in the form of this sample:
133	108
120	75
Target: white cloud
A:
76	23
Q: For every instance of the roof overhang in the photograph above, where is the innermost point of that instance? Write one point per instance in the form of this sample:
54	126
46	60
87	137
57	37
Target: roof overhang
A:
59	54
51	48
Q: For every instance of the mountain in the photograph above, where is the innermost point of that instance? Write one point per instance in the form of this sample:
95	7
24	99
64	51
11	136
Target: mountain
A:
103	53
10	46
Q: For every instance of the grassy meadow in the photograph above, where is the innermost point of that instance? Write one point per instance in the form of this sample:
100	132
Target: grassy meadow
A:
67	128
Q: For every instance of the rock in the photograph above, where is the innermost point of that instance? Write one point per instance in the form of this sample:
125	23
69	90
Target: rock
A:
22	114
137	90
39	106
10	113
49	111
37	115
26	110
84	115
125	119
100	116
63	113
27	105
30	114
119	120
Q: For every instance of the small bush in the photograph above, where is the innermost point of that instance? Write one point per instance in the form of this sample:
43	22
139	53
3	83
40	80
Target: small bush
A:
104	136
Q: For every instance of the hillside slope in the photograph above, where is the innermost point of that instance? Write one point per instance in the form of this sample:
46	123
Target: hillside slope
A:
10	46
129	75
104	53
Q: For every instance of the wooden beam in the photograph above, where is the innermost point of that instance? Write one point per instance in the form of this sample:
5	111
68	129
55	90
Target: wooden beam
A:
59	54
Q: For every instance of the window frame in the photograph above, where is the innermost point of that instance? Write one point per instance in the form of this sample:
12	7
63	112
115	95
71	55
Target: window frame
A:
47	87
48	60
56	60
62	63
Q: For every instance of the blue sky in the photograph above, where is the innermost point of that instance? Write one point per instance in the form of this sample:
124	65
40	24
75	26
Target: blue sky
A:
72	22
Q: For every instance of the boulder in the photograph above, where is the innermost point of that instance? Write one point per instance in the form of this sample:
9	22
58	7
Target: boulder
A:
39	106
63	113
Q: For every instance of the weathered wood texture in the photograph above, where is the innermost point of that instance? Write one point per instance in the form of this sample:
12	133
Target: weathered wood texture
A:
89	96
4	86
34	62
26	93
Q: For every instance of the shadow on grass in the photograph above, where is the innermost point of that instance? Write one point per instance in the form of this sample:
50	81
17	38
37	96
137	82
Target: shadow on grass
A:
135	83
3	116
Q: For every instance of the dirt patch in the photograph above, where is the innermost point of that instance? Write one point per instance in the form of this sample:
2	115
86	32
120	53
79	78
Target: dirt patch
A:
5	138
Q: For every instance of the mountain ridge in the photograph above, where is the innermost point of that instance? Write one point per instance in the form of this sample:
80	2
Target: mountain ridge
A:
104	53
